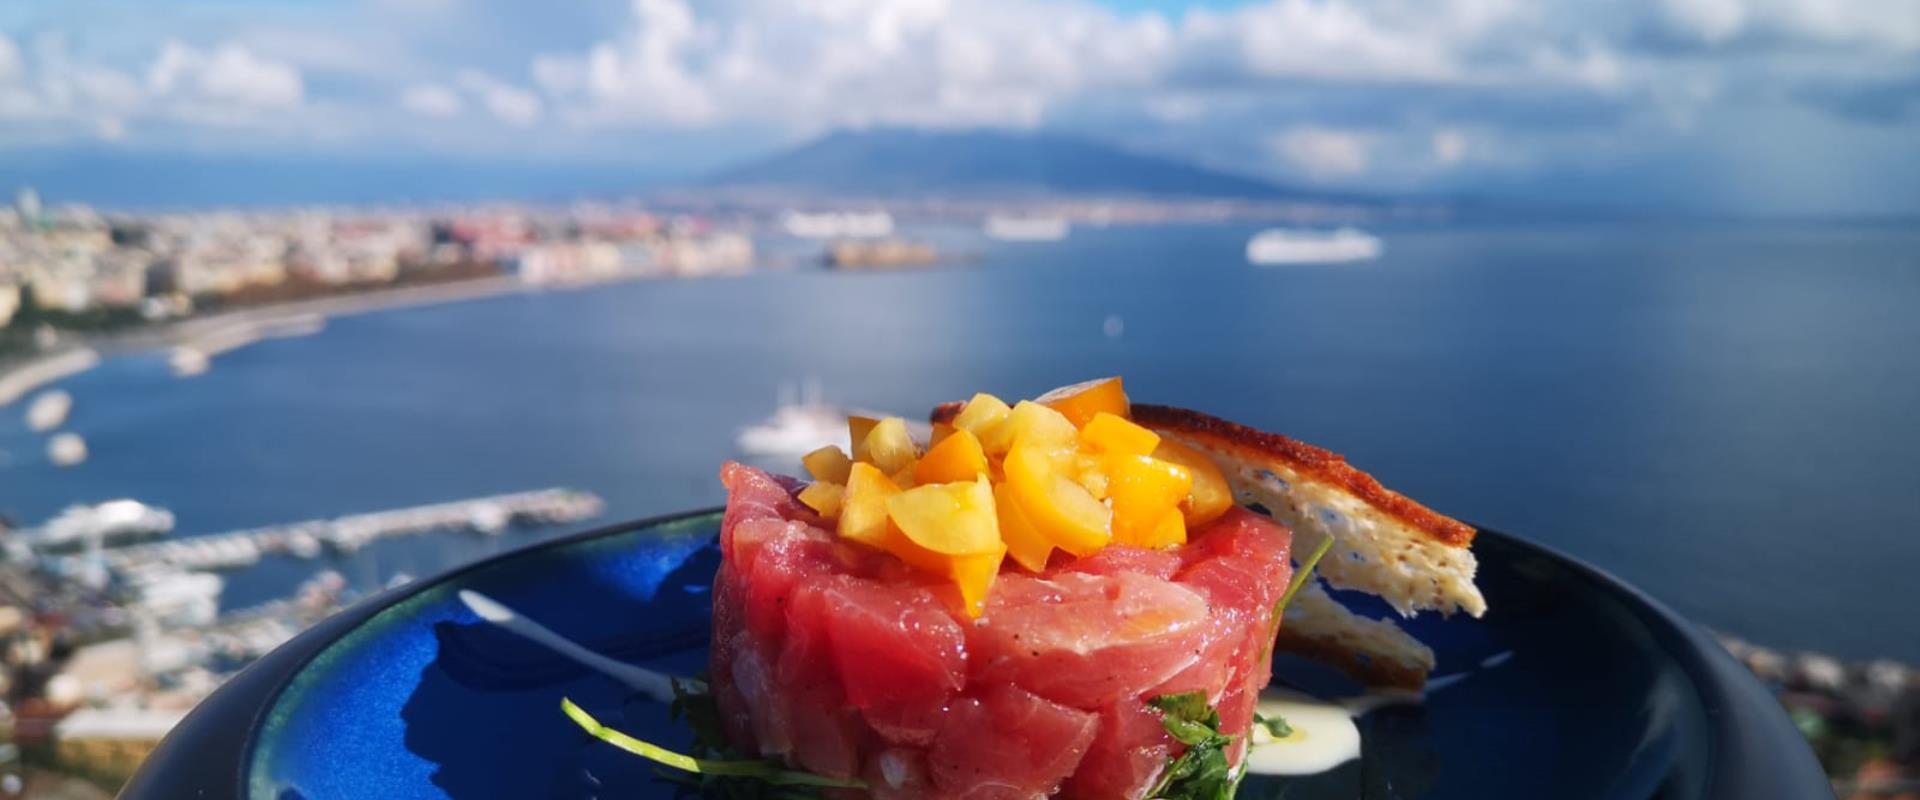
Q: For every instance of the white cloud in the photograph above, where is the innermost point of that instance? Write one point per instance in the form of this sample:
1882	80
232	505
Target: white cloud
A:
1888	24
229	75
9	59
1324	153
432	100
506	102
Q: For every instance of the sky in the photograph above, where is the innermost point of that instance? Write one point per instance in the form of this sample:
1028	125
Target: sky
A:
1760	107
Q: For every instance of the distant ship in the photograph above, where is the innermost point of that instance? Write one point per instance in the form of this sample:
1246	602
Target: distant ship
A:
880	254
799	425
1026	229
109	522
1298	246
49	410
838	224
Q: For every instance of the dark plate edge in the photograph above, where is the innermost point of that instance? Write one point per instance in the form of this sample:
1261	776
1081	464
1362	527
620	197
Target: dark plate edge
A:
206	735
1748	725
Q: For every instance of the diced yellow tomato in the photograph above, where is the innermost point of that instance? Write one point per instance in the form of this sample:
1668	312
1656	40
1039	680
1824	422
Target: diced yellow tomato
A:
914	555
863	511
904	478
824	497
941	430
974	576
1171	531
1090	471
829	464
857	430
986	416
1083	400
1143	489
1035	425
889	446
1025	544
1061	510
948	518
1112	434
1210	496
958	457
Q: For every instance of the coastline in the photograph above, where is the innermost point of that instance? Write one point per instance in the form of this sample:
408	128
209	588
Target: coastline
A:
225	331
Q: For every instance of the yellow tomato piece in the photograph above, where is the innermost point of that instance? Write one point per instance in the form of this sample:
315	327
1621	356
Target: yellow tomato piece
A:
889	446
1113	434
904	478
973	575
1081	401
863	511
948	518
1061	510
1210	496
1025	544
824	497
985	416
1090	471
857	430
1143	490
1171	532
958	457
829	464
1034	425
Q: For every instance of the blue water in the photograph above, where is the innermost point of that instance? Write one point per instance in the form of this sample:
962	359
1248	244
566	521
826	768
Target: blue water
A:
1725	416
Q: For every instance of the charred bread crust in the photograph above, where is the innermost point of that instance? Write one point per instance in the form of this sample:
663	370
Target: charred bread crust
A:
1324	465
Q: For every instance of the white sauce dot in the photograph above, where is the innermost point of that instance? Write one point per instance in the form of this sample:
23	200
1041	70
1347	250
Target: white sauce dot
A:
1323	737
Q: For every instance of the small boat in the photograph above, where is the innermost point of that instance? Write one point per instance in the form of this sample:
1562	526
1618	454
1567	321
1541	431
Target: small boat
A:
49	410
187	362
1008	228
1298	246
800	424
66	449
111	521
838	224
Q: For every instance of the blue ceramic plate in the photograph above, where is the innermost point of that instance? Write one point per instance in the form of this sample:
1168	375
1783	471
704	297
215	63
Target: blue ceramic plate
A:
1574	686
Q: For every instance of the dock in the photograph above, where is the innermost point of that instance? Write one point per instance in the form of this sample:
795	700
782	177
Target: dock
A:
234	549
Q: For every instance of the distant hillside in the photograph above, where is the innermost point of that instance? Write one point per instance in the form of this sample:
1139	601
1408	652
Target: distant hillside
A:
897	162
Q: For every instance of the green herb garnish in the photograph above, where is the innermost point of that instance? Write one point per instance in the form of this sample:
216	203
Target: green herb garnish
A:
1277	726
1200	773
1300	578
767	772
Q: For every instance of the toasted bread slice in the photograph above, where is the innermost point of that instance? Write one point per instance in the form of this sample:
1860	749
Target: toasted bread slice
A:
1383	542
1374	652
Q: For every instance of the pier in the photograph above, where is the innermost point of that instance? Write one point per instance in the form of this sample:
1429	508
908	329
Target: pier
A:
486	515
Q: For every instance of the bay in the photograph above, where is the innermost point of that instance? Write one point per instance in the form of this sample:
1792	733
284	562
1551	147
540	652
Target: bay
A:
1723	415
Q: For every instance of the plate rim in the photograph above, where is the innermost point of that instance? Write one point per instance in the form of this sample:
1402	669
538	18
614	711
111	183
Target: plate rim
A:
1746	724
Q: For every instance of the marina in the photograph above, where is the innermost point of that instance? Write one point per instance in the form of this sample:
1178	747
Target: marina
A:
234	549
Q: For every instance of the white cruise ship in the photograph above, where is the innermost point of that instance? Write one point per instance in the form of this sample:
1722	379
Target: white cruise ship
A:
1301	246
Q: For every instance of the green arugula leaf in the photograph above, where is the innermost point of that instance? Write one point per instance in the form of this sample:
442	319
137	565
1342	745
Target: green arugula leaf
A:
1300	578
1277	726
1201	772
767	772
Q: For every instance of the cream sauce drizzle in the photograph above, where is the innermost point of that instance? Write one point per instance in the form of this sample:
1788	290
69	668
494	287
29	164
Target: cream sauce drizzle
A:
1324	734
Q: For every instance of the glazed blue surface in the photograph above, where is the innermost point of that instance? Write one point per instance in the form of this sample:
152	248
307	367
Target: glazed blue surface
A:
1573	686
426	700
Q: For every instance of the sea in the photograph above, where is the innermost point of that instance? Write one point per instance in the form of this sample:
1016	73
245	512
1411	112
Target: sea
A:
1725	415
